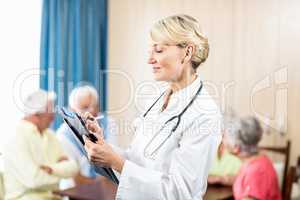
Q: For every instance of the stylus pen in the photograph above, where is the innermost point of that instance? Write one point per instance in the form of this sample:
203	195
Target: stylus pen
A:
95	118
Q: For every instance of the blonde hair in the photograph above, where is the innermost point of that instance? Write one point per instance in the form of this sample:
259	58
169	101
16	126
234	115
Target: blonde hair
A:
182	30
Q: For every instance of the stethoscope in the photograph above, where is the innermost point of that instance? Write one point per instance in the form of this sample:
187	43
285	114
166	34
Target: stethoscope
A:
176	117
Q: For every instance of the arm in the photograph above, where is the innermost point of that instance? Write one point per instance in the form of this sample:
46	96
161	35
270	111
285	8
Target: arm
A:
65	169
64	166
256	183
18	162
227	180
79	180
249	198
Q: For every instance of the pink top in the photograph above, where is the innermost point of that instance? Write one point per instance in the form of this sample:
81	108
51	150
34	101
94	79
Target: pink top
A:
257	179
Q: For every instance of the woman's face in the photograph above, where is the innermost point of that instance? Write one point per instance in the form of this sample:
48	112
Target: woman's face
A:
166	61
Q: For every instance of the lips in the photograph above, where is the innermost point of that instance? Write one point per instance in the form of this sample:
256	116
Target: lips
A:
155	69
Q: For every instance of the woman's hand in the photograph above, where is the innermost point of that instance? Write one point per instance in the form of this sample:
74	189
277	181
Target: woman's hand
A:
92	125
101	153
227	180
212	179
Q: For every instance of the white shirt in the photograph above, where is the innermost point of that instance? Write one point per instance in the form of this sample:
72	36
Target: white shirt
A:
23	157
179	169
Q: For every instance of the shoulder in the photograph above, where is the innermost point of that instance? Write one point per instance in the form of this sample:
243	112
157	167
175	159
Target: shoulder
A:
204	103
259	166
51	136
205	109
25	131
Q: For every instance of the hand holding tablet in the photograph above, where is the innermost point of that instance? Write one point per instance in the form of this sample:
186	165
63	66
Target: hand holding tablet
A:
88	132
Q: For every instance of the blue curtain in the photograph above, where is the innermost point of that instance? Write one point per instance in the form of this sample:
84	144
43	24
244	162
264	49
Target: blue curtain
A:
73	47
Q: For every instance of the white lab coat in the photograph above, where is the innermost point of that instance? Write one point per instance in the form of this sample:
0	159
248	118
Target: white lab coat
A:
179	169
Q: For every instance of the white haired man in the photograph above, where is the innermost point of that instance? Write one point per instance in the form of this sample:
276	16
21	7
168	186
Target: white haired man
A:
34	161
84	99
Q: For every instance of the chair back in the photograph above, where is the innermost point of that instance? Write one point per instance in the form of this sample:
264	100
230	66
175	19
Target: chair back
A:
289	183
292	177
286	152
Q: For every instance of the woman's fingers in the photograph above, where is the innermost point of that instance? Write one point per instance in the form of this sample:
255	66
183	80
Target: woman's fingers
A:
99	137
97	152
87	115
93	126
87	142
93	149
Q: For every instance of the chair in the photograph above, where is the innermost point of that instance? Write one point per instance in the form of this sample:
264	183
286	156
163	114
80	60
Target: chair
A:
286	152
293	176
298	169
290	179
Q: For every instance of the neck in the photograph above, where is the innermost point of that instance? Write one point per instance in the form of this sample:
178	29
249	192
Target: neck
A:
248	157
34	120
183	81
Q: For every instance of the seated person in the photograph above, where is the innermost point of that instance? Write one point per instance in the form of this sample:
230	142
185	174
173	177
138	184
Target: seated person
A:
34	160
84	99
225	167
257	178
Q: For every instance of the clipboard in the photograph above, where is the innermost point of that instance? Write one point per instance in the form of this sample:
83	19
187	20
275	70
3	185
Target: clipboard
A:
79	129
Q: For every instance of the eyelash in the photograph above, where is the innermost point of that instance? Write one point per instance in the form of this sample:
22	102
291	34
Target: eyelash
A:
158	51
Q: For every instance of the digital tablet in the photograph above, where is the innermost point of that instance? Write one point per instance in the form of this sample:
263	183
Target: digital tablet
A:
78	127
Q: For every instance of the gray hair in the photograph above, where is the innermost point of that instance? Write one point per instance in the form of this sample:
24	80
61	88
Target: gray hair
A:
37	102
245	132
80	92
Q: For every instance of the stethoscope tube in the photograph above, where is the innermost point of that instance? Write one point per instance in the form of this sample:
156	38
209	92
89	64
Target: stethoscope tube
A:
169	120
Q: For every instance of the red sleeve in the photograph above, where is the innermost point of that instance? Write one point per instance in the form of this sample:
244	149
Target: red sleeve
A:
255	184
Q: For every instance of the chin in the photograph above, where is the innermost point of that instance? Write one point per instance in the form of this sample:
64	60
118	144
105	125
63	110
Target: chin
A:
159	77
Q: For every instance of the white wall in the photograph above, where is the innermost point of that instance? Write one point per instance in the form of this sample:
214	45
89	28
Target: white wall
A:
20	25
253	64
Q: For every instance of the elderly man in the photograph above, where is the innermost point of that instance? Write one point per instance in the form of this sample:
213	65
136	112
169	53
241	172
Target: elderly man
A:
34	161
84	99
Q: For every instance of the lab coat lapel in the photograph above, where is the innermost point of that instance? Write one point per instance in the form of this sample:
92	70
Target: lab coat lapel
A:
163	128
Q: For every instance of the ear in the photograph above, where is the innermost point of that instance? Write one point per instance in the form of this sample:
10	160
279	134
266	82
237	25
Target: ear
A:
190	51
188	54
236	149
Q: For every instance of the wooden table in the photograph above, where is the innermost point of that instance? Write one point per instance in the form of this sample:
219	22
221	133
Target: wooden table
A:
104	189
215	192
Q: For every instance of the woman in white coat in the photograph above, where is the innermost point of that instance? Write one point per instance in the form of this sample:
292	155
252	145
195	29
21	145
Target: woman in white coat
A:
177	138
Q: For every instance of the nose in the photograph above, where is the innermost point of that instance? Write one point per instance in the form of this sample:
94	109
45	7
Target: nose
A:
151	60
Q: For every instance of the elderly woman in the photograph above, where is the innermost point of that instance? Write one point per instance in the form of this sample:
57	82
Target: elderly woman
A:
257	178
177	137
